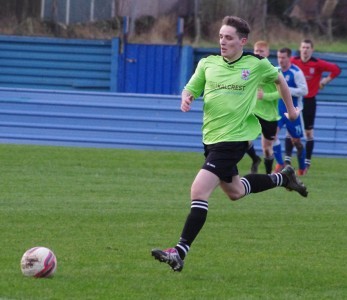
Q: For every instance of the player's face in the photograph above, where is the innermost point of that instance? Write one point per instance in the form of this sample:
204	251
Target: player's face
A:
230	44
283	60
306	51
262	51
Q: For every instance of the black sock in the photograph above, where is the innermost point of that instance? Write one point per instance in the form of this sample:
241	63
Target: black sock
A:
289	146
195	221
268	162
255	183
251	152
309	149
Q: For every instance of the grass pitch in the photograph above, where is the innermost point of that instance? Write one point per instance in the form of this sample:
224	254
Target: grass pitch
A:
102	210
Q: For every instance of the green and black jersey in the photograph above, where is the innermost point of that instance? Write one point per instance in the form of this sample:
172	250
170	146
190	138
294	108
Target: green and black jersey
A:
230	95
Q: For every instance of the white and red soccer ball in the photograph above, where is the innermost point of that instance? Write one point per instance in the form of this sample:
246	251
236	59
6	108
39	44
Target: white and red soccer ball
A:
38	262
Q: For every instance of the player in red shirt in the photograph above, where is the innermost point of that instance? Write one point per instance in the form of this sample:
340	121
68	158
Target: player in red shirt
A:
313	68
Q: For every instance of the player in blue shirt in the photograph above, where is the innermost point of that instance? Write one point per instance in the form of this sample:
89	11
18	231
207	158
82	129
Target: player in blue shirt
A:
298	88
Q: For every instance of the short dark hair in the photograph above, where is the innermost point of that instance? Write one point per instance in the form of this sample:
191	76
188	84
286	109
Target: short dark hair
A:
241	26
307	41
286	50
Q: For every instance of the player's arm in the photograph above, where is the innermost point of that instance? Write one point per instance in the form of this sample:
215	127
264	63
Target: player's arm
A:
194	87
329	67
301	88
268	96
186	100
282	86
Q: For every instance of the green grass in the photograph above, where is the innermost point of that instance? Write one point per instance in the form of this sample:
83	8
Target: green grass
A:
102	210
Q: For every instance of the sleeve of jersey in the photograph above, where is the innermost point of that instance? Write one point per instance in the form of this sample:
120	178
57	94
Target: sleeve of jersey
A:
301	88
268	71
272	96
330	67
196	84
269	76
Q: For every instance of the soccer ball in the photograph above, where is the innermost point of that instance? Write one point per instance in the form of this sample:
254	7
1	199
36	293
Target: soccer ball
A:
38	262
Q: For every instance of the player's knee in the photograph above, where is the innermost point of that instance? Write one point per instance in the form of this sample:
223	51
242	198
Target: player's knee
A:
268	152
298	145
234	196
309	134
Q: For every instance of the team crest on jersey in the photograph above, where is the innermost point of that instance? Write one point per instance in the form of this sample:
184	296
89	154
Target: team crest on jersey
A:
245	74
311	70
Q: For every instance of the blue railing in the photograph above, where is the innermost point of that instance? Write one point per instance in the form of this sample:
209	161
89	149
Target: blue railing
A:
137	121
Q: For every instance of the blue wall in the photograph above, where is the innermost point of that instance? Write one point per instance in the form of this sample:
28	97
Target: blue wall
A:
52	63
91	65
74	97
137	121
112	66
150	69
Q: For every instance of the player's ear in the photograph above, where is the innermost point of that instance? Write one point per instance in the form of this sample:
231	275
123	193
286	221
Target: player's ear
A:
244	41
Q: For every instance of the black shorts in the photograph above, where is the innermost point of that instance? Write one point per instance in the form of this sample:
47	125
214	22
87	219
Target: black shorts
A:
222	158
268	128
309	112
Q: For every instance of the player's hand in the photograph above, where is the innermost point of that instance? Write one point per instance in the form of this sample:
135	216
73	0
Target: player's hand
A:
186	101
260	94
294	114
324	82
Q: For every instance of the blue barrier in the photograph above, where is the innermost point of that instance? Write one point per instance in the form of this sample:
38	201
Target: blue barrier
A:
133	121
33	62
91	65
107	66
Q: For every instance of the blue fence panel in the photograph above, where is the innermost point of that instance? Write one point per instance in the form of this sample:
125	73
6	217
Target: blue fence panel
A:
149	69
134	121
92	65
33	62
99	65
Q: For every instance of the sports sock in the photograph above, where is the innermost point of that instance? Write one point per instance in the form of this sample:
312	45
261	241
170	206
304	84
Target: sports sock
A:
289	146
278	151
301	154
268	162
287	160
194	222
256	183
309	148
251	152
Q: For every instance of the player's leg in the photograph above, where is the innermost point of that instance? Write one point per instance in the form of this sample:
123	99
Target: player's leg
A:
269	132
288	149
220	168
301	154
309	147
277	148
220	164
295	130
309	114
202	187
256	160
268	154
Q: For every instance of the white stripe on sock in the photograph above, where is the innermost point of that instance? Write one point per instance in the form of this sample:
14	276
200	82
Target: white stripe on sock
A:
199	204
184	247
279	179
247	185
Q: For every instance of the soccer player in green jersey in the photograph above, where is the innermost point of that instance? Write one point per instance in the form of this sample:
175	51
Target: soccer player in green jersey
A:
229	82
266	110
